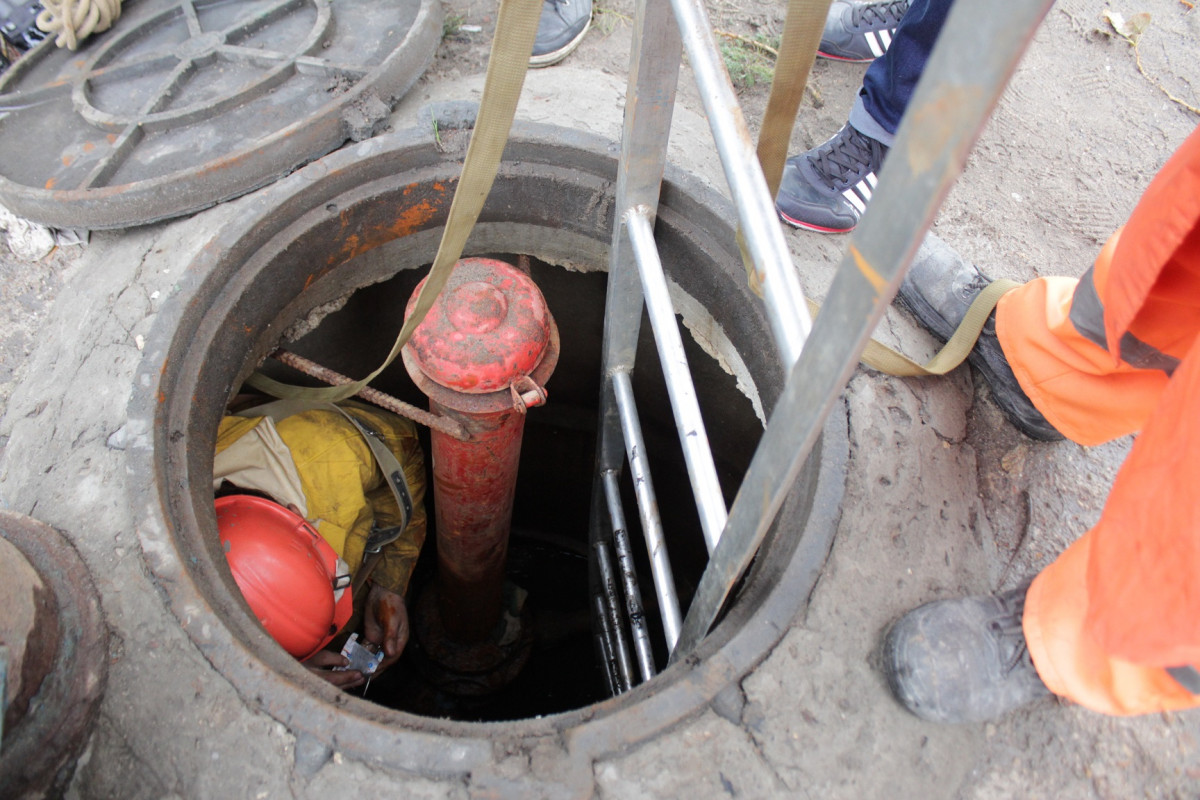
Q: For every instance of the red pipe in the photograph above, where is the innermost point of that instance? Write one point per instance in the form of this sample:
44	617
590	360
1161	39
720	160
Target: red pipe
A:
482	354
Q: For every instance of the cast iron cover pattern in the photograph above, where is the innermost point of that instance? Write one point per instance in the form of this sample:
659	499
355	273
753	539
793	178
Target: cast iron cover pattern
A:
186	103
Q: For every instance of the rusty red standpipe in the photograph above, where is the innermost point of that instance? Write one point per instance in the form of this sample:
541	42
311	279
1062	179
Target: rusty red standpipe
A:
482	356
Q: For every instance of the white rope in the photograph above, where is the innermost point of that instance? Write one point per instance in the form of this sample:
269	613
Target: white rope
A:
72	21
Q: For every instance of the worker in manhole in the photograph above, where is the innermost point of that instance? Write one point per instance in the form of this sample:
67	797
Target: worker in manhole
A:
1112	623
321	516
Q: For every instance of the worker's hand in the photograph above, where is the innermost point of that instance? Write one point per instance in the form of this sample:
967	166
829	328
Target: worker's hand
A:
322	665
386	624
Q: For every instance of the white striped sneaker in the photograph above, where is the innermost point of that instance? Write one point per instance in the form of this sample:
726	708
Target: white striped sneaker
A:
827	189
860	31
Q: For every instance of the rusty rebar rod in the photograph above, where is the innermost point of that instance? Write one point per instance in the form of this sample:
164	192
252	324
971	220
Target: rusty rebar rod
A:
312	369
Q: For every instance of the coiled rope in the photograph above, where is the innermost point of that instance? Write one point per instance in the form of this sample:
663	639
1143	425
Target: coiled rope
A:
72	21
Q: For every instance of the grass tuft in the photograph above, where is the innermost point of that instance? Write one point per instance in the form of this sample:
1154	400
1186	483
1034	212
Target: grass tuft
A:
750	61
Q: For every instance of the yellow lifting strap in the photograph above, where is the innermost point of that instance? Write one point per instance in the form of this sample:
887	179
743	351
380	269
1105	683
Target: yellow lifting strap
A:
512	45
797	51
802	31
884	359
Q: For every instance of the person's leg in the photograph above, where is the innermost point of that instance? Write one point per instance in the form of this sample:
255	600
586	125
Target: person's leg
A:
858	31
562	26
827	189
1048	357
1121	605
1095	354
889	82
1114	622
939	289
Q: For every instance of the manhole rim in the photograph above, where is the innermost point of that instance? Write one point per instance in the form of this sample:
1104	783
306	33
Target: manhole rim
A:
40	752
406	741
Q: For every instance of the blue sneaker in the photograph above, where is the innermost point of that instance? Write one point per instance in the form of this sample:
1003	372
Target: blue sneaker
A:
563	25
827	189
860	31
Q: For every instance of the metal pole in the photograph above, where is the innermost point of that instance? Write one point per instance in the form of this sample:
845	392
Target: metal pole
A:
650	102
782	295
652	531
610	594
697	455
604	645
977	52
634	609
311	368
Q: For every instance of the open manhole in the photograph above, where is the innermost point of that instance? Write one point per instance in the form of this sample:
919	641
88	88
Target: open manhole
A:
324	261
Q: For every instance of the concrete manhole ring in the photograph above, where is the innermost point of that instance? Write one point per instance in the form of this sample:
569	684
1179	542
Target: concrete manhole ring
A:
39	752
350	220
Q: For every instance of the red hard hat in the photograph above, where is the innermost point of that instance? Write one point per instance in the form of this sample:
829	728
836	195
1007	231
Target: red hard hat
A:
293	580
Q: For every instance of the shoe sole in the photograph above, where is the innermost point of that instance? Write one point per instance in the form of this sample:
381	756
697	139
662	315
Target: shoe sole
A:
845	59
555	56
808	226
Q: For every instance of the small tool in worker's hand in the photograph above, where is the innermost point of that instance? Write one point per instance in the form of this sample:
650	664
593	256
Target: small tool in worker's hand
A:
363	657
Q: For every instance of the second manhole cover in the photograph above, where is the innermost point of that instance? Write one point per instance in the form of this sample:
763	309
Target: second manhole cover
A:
186	103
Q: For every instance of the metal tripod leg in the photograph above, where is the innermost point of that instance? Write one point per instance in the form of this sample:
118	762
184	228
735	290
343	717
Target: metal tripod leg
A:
976	53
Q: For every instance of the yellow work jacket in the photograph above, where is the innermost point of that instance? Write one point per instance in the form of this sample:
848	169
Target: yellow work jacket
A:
319	461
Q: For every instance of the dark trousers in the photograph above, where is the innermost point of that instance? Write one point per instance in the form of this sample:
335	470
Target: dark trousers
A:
891	78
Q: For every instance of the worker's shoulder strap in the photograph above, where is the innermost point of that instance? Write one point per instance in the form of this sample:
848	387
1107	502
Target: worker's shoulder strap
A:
389	465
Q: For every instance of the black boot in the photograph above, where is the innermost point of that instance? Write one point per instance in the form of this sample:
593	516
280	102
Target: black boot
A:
938	290
962	660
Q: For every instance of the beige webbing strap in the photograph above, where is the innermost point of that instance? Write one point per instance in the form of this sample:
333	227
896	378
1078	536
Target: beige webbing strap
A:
797	51
884	359
512	44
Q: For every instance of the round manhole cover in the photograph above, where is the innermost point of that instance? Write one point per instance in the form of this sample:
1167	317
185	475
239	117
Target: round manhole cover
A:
186	103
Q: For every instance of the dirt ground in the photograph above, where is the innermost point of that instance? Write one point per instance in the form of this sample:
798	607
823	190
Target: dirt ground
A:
943	497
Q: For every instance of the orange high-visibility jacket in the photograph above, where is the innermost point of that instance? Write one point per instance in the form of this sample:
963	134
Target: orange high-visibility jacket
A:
1110	354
